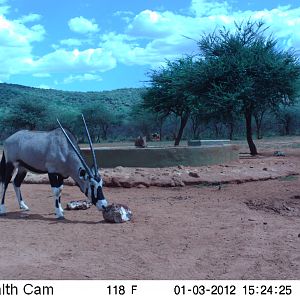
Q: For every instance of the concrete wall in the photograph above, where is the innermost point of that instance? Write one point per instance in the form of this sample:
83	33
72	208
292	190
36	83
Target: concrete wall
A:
153	157
207	142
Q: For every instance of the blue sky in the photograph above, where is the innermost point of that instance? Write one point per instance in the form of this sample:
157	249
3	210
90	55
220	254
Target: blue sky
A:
92	45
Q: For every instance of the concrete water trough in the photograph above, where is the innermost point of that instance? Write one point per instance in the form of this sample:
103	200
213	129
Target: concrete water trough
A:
208	142
159	157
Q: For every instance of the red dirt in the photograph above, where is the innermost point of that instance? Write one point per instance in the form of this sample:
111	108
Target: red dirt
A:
232	231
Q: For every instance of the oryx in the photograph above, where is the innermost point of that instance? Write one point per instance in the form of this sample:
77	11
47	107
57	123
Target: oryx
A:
55	153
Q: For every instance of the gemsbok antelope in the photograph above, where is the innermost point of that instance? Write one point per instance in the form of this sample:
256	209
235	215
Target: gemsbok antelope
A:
53	152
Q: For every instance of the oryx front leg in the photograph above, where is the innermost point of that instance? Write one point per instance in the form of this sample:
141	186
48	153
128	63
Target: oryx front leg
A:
17	185
56	182
59	212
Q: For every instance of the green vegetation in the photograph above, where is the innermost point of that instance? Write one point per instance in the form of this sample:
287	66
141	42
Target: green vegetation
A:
288	178
240	82
171	91
250	75
24	107
240	74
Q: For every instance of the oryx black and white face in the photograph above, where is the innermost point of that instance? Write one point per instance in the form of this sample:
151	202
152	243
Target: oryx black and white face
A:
92	188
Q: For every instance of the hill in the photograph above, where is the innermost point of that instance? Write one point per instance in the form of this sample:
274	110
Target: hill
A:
120	100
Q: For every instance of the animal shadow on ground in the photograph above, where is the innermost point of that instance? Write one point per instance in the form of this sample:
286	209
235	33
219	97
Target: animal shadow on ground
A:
16	215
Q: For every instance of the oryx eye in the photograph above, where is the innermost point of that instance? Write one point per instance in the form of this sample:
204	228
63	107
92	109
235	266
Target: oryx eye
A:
82	173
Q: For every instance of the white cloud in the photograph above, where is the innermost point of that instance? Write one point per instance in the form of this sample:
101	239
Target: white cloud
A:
151	24
71	42
82	77
16	45
4	9
126	16
16	56
83	25
127	50
64	61
30	18
15	34
203	8
165	33
122	13
44	86
153	36
41	75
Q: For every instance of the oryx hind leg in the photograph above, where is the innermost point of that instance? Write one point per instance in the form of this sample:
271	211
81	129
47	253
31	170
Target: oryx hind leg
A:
56	182
5	179
17	184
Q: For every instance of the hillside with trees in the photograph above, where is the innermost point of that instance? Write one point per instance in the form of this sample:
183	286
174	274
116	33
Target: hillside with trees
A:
240	85
23	107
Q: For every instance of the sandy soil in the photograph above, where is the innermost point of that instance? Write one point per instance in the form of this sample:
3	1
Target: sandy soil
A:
229	231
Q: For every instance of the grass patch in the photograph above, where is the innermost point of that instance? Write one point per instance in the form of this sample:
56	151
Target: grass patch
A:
209	184
203	185
288	178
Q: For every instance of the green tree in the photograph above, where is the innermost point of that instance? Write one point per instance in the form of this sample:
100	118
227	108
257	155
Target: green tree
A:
286	118
26	113
246	72
170	91
99	120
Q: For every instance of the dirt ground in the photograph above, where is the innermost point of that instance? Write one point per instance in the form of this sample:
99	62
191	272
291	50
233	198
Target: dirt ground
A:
242	230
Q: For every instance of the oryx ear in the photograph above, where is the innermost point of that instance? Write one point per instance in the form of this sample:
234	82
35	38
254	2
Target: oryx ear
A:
82	173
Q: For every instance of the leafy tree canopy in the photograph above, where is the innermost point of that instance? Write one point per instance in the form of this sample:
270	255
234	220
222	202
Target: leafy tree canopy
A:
171	91
247	72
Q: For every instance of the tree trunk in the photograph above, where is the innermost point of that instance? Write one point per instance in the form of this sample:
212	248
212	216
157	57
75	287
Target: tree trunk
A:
258	135
287	128
217	131
231	129
105	128
160	132
161	123
196	128
183	120
287	125
258	121
252	147
196	133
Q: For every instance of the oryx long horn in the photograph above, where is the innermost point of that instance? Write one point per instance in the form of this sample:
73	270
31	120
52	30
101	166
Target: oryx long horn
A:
76	150
91	145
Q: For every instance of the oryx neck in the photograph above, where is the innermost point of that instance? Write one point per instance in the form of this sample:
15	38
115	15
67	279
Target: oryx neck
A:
75	164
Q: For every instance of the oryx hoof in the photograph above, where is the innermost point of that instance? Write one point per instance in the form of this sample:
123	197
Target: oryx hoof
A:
24	209
23	206
59	215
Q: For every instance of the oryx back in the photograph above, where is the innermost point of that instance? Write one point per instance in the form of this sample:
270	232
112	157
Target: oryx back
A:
38	151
